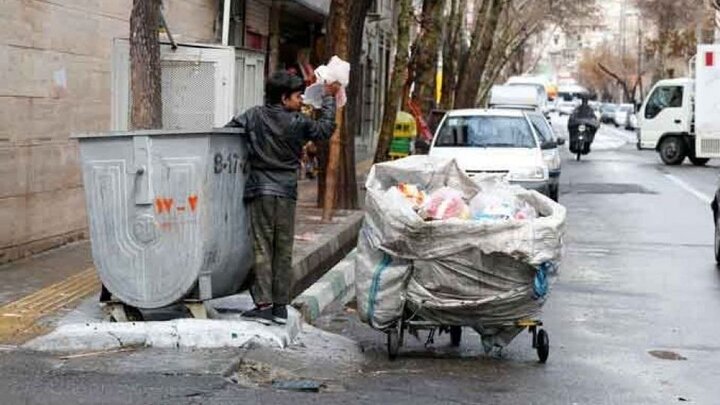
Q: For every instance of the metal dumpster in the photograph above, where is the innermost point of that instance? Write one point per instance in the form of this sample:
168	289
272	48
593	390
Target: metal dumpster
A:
166	213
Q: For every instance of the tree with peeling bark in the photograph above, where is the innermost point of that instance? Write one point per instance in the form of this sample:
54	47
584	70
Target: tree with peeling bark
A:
145	73
472	65
425	51
452	45
501	33
399	76
345	33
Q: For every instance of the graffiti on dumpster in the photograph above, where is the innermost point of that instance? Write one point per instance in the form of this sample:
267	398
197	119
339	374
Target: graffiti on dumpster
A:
192	201
163	205
228	164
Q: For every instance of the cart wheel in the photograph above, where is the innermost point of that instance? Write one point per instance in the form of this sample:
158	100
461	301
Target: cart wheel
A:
543	345
393	343
455	335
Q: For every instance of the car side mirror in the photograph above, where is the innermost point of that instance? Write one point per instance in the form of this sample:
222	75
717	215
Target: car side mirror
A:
561	141
549	145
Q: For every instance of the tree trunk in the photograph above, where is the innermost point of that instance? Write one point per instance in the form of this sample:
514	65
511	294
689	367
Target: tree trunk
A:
345	34
451	53
394	90
338	45
473	67
348	197
145	73
426	54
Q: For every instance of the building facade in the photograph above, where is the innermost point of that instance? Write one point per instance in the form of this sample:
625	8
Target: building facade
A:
57	80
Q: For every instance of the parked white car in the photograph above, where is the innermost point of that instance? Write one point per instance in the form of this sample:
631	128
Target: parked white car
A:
499	141
622	115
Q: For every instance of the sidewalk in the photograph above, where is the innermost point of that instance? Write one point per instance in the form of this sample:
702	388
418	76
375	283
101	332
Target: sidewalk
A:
35	290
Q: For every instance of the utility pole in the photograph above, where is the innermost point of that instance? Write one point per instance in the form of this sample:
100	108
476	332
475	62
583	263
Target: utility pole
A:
623	17
639	55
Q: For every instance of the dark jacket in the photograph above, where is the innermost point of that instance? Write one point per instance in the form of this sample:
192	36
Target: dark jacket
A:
275	140
583	114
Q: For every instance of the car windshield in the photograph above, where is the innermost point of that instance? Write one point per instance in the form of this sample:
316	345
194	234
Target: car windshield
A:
608	108
486	132
626	109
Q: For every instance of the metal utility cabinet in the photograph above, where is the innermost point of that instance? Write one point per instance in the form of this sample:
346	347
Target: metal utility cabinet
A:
166	213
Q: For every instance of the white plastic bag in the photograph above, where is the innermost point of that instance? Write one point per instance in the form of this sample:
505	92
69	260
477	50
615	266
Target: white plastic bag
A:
314	94
498	203
445	203
337	70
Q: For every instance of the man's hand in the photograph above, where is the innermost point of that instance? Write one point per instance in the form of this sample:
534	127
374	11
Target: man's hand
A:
332	89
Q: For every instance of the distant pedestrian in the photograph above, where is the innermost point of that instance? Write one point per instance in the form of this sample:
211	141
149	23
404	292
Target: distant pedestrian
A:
276	133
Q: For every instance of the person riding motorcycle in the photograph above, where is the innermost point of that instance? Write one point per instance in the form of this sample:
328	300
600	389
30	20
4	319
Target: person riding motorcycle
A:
582	115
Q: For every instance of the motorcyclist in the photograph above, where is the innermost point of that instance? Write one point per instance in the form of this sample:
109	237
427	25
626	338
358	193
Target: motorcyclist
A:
582	115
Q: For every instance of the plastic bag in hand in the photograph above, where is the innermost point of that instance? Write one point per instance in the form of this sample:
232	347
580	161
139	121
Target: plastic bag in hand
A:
337	70
445	203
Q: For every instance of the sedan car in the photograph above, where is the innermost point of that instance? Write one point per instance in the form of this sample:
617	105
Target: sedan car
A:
622	114
496	141
607	113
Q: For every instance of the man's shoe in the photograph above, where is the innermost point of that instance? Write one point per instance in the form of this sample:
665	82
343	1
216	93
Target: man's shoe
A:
279	314
263	315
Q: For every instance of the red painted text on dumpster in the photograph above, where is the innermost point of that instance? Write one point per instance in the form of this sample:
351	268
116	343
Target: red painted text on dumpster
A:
163	205
193	200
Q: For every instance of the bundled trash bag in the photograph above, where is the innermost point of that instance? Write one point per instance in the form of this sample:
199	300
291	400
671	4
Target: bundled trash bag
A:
445	203
486	274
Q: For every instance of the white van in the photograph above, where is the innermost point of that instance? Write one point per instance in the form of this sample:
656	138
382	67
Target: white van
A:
496	141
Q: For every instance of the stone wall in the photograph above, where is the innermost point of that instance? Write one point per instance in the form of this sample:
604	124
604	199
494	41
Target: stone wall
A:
55	65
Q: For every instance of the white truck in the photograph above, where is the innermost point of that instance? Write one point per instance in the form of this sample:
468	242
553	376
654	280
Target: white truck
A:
681	117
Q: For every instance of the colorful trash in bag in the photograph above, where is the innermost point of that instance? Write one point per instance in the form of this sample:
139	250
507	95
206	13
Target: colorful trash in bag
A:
487	274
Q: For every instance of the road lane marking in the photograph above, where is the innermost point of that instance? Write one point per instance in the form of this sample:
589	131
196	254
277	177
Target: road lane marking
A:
690	189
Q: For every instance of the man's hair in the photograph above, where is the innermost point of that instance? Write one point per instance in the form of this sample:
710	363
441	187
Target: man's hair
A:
281	84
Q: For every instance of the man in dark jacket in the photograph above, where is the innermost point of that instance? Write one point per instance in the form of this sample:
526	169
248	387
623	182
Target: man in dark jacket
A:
582	115
276	133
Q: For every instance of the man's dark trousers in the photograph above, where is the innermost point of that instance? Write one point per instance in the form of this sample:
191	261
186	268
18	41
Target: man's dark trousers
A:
273	226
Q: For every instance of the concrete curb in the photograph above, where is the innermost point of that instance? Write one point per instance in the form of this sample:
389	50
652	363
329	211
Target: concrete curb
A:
337	283
309	268
84	330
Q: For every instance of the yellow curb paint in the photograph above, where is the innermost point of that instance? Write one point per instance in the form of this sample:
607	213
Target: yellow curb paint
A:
17	318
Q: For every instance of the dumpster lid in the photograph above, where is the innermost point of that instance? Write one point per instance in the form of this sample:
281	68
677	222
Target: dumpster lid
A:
159	132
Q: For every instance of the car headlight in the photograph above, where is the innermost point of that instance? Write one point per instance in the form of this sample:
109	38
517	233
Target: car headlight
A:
528	174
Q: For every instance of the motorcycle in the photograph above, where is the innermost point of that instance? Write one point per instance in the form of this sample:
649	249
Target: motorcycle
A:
580	140
582	134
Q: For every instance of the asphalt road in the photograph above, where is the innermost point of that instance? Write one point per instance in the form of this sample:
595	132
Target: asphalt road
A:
633	318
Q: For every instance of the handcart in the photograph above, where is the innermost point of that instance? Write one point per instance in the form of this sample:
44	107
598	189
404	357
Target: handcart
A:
413	323
442	275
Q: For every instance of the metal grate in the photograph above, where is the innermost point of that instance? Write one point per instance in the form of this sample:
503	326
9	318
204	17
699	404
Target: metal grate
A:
710	147
188	94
